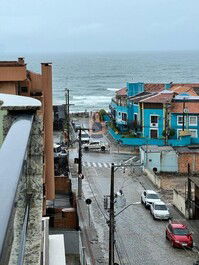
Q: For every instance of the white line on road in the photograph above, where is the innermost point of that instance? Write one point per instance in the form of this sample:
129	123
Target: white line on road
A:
94	164
99	164
89	164
105	165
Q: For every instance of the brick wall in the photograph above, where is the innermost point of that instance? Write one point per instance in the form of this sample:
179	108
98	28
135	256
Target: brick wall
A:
62	184
192	159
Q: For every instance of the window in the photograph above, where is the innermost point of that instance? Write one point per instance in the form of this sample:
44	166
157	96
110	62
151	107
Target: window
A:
154	133
154	119
194	133
193	120
124	116
180	120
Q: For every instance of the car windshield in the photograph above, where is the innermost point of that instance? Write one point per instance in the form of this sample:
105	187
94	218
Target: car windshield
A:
152	196
161	207
180	231
85	135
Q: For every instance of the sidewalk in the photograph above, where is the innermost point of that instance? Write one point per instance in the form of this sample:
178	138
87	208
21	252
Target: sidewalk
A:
118	148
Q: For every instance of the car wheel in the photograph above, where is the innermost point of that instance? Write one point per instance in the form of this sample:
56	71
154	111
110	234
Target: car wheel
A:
86	148
145	205
166	236
154	217
142	201
172	244
103	148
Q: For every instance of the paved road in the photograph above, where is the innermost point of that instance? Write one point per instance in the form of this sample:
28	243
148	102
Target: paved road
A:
139	239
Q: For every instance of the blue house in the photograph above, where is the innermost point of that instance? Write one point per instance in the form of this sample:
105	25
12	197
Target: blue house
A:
158	113
123	110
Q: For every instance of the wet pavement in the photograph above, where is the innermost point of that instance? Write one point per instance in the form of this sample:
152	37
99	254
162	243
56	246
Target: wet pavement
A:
139	239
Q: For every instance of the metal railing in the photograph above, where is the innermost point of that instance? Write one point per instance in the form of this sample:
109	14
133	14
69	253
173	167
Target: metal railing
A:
13	157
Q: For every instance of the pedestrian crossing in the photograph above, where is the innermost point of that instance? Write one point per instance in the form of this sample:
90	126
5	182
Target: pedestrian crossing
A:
97	164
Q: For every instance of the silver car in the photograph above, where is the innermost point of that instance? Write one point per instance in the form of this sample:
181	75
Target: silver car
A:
159	210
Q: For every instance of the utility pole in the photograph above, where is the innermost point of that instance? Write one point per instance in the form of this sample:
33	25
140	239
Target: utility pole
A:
67	114
80	165
166	125
112	215
189	191
112	219
183	117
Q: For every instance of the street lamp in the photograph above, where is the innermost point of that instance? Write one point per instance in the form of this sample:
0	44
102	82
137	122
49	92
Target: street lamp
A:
112	215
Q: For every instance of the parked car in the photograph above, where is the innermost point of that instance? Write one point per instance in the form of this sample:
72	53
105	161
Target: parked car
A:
95	145
85	138
148	197
159	210
179	235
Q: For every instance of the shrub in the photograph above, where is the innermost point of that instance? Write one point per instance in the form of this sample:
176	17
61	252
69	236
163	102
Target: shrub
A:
171	132
102	112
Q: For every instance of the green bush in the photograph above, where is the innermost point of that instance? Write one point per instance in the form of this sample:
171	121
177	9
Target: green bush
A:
102	112
171	133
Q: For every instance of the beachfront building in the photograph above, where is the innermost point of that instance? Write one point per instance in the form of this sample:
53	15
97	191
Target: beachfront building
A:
161	114
16	79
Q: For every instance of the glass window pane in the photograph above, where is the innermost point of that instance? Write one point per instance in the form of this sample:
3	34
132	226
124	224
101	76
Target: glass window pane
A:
192	120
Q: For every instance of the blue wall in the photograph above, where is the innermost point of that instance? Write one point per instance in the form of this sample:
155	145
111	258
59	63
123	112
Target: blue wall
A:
175	126
134	88
183	141
147	124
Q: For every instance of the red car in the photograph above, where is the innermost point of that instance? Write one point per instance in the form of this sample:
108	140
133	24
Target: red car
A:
179	235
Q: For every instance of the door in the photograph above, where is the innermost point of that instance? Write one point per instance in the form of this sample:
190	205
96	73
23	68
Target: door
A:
153	133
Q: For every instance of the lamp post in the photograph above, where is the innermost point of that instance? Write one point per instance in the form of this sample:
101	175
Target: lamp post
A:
111	219
112	215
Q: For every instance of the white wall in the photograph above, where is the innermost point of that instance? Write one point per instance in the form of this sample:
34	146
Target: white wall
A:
169	161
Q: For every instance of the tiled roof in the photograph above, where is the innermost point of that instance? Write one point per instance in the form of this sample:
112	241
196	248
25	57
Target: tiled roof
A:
122	92
190	89
163	97
154	87
193	107
141	96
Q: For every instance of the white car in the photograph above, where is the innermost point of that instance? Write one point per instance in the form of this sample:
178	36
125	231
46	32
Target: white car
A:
85	138
95	145
159	210
148	197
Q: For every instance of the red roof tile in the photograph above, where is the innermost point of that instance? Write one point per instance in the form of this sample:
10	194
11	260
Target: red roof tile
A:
153	87
162	97
122	92
193	107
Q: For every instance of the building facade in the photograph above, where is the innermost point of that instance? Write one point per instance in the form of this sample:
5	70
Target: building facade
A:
16	79
167	113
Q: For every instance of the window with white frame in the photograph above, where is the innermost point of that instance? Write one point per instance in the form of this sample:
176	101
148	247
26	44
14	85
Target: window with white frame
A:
194	133
180	120
193	120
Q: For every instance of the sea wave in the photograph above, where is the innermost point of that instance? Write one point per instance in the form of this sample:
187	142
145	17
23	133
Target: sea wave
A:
112	89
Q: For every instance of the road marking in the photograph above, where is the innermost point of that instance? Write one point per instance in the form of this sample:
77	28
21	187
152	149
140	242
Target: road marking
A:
96	164
105	165
89	164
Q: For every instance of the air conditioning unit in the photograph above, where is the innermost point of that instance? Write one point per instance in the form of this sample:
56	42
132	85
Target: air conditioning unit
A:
154	124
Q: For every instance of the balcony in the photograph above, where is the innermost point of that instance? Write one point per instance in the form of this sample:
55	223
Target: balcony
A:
21	156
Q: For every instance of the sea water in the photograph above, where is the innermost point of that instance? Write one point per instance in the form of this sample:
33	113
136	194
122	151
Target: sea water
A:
93	78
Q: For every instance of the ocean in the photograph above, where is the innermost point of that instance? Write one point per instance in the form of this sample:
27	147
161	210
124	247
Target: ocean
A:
93	78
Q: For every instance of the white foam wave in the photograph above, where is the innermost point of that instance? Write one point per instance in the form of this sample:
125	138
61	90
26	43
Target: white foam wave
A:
90	100
112	89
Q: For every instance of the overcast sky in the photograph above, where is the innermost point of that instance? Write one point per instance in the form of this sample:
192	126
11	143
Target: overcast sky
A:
103	25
